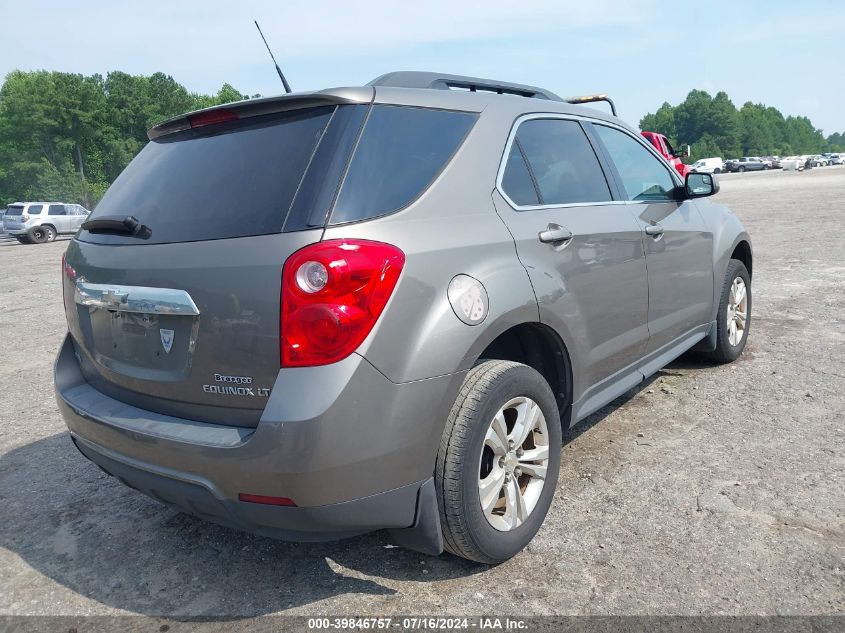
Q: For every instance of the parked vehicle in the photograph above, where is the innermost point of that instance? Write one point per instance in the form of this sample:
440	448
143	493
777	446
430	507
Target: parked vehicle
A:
746	163
817	160
709	166
429	342
792	163
665	149
837	159
38	222
773	162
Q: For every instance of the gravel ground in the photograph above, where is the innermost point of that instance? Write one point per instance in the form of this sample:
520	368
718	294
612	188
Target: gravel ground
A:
707	490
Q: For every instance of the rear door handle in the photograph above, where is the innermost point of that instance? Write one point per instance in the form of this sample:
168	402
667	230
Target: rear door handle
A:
654	230
554	233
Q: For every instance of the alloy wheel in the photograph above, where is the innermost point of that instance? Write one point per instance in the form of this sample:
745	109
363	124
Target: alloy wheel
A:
737	311
513	464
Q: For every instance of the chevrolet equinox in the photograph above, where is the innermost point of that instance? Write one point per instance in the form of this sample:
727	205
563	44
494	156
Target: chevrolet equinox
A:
321	314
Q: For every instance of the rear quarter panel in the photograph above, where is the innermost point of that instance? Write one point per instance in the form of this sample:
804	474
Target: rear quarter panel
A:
451	229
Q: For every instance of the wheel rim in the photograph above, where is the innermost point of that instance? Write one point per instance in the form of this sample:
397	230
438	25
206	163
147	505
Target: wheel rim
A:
48	234
513	464
38	234
737	311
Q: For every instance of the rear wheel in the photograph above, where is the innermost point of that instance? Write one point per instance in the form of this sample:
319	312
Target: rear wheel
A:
38	234
717	171
498	462
741	169
734	316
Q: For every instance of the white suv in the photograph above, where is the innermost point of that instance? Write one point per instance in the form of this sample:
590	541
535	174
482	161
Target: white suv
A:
42	221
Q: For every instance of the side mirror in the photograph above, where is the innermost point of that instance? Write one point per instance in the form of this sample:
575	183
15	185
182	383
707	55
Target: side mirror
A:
699	185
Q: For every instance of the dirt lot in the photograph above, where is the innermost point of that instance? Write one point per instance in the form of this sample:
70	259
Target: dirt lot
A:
708	490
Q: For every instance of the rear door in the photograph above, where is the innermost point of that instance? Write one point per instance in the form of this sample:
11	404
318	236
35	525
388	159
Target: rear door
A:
678	244
183	317
582	249
57	215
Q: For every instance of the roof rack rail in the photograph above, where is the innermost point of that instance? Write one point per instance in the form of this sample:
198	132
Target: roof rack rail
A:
592	99
440	81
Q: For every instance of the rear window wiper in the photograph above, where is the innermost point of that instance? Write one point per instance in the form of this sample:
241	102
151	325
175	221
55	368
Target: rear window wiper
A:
122	224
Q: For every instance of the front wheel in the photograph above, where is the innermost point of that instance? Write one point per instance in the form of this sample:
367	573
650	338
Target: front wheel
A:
741	169
734	317
498	462
717	171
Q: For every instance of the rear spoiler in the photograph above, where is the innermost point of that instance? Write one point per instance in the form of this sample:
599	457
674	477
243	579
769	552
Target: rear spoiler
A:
257	107
592	99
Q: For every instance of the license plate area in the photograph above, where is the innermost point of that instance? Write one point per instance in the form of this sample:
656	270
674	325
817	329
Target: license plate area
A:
142	333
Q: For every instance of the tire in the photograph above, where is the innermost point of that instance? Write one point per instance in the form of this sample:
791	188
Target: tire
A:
465	454
50	232
717	171
37	234
727	351
741	169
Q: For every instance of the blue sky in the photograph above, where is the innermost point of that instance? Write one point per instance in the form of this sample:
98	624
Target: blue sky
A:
641	52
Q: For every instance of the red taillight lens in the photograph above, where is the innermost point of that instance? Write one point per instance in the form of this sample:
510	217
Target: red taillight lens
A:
333	293
212	117
67	269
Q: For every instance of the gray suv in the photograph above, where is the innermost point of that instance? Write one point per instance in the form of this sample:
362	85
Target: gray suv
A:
316	315
38	222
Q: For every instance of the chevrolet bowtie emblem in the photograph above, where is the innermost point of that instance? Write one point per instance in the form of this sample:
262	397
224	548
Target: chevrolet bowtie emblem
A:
166	339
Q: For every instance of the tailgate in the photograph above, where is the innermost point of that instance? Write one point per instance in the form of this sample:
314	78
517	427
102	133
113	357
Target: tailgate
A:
189	330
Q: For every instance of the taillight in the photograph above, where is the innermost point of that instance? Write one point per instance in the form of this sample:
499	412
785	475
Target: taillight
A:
67	269
211	117
24	218
333	293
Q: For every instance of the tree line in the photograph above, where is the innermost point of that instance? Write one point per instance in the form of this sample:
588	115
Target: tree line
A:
66	136
714	126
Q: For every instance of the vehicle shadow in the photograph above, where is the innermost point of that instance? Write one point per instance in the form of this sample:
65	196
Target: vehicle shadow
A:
88	532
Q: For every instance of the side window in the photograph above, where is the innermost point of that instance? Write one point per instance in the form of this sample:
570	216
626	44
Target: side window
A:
644	176
516	181
401	151
56	209
34	209
562	162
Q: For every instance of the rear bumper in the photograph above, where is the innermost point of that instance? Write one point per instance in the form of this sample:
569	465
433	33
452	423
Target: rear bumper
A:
352	449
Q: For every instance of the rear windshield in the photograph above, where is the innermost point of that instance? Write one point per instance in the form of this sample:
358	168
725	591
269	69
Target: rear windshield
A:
230	180
14	210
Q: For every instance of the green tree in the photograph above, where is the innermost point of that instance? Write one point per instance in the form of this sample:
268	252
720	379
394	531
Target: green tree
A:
66	137
713	126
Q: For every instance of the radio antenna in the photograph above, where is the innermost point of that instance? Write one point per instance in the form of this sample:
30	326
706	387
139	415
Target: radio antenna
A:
278	70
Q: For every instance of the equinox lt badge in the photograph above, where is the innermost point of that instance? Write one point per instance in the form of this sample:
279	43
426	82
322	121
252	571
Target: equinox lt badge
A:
230	390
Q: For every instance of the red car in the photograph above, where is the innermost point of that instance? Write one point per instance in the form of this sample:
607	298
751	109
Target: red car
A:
662	145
